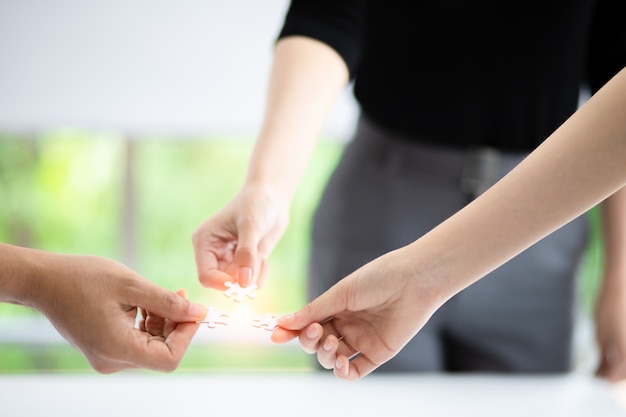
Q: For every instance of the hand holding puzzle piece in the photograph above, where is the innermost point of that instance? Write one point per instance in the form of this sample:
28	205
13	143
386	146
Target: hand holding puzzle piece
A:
237	293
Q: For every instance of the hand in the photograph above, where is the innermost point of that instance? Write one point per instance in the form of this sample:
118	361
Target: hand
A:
610	318
93	302
375	311
234	244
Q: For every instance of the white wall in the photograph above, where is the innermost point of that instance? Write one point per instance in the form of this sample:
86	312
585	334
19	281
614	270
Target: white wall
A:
141	67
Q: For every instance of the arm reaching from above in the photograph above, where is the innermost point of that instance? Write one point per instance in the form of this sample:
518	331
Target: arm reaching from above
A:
93	303
377	309
233	245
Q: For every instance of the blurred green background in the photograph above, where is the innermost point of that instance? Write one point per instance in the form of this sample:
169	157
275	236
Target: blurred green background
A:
64	191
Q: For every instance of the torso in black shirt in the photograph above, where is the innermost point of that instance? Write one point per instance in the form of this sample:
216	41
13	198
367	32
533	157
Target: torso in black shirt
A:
473	73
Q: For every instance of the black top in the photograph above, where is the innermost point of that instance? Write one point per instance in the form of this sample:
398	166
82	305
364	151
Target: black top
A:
469	73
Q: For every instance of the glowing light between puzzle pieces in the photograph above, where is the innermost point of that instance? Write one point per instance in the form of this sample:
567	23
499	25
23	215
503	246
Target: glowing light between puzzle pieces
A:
237	316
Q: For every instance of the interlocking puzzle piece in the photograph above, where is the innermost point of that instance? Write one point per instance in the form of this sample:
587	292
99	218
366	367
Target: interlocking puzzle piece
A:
237	293
269	322
214	317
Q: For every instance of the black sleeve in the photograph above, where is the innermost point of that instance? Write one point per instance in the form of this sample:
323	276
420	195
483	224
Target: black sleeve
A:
607	53
338	23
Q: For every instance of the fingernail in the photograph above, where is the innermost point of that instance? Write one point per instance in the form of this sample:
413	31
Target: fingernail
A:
197	310
312	333
245	276
327	346
338	364
285	319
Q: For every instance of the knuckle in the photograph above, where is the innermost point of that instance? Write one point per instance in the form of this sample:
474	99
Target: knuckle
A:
173	301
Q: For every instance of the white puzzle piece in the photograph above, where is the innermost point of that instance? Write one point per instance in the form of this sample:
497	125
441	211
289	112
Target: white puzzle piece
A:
237	293
214	317
269	322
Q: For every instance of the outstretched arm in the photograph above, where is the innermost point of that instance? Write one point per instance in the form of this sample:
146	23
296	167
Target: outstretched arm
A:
381	306
94	303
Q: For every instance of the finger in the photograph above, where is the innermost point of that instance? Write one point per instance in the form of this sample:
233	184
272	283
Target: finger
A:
607	353
142	319
170	325
154	324
609	361
178	340
310	338
331	328
280	335
244	276
342	369
165	356
326	305
352	369
166	304
264	270
603	368
617	370
246	251
209	273
327	353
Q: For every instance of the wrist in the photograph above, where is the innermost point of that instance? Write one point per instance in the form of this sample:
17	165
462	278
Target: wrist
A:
423	276
266	190
280	185
23	274
433	273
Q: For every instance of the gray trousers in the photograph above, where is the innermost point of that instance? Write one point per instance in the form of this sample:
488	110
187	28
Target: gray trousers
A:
386	192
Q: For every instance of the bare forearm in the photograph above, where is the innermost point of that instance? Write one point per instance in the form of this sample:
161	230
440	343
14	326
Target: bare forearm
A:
578	166
306	78
20	273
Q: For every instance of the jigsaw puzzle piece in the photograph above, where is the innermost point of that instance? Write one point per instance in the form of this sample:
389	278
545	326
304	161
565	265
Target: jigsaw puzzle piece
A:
268	322
214	317
237	293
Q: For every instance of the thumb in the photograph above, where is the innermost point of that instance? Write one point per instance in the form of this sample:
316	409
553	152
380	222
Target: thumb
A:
170	305
246	253
323	307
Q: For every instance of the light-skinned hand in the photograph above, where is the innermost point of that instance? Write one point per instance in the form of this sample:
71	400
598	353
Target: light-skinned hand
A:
233	245
376	309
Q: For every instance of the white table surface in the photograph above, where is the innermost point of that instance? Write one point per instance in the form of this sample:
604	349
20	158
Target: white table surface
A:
304	394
